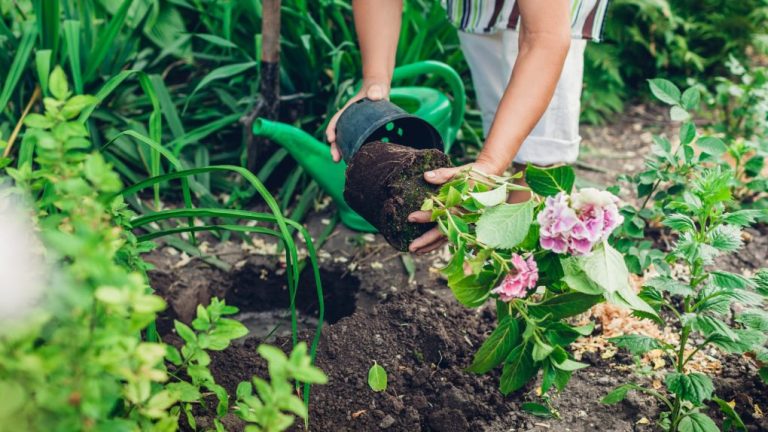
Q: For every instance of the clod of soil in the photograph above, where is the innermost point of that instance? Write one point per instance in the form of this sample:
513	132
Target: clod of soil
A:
385	183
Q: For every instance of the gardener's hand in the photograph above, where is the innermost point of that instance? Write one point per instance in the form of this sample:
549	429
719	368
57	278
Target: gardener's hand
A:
374	90
434	238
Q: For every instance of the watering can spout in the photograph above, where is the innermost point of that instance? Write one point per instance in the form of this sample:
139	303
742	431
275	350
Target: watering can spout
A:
315	157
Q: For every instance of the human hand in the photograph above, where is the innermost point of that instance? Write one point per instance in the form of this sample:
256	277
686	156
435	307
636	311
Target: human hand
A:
374	90
434	238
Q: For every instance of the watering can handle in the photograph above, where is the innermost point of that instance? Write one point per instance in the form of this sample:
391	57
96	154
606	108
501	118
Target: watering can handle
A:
448	74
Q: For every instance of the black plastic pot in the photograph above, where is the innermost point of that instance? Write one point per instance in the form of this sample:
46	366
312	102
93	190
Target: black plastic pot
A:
366	121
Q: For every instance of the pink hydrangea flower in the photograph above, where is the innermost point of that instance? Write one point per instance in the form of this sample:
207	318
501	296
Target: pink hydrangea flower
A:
577	223
517	282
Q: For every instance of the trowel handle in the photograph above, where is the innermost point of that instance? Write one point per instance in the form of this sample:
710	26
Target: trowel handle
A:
450	76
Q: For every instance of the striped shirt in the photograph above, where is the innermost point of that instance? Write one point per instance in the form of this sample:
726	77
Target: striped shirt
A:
488	16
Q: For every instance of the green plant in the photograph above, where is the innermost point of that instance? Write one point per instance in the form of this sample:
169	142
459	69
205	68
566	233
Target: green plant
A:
79	363
669	172
547	258
700	302
264	410
377	378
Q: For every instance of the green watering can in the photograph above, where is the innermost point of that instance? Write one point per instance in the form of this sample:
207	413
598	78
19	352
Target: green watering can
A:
444	114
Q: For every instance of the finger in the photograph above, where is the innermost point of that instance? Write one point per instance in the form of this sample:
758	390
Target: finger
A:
335	154
420	216
375	92
433	247
441	175
426	239
330	131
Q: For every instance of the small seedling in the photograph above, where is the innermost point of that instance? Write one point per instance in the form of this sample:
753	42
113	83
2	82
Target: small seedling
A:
377	378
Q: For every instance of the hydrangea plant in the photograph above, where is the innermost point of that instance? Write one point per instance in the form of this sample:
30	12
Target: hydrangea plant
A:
541	261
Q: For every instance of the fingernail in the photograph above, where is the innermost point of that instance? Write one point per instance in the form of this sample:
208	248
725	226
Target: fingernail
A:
431	174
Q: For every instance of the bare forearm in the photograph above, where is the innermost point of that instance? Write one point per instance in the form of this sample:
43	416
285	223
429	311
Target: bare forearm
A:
378	30
544	43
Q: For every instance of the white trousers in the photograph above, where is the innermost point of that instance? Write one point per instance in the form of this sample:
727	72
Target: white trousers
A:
555	139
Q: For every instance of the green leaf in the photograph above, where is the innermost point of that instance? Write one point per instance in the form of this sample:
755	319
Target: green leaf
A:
569	365
222	72
679	222
541	351
550	181
518	369
38	121
694	387
636	344
617	395
754	318
665	91
377	378
741	217
730	414
564	305
497	347
505	225
724	279
710	326
58	84
472	290
576	279
672	286
687	133
711	145
184	332
725	238
690	99
536	409
678	113
492	197
606	267
184	391
697	422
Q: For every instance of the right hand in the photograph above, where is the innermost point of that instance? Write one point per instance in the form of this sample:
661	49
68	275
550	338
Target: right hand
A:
373	91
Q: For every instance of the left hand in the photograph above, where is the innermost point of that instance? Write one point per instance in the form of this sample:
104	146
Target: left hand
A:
434	238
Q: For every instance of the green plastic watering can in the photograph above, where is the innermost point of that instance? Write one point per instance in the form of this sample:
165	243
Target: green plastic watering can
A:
442	112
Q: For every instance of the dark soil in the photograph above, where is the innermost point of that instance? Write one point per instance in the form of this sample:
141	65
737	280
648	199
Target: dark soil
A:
385	183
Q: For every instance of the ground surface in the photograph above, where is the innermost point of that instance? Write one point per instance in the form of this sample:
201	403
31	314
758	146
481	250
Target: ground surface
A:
411	325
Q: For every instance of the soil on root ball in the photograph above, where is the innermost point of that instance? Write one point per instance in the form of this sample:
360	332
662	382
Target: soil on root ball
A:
385	183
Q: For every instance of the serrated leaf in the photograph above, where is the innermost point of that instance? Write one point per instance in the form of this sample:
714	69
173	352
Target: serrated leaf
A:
741	217
724	279
636	344
747	340
756	319
709	326
377	378
679	222
497	347
672	286
693	387
518	369
550	181
725	238
665	91
505	225
184	391
697	422
564	305
492	197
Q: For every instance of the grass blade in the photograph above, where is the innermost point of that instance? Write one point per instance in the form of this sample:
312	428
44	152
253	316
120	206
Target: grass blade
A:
20	61
72	36
106	40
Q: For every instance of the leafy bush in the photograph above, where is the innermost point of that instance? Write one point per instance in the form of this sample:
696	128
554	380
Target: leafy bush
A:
78	362
548	259
700	302
676	38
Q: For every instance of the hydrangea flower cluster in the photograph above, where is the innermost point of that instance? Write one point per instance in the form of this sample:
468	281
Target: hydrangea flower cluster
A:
575	224
517	282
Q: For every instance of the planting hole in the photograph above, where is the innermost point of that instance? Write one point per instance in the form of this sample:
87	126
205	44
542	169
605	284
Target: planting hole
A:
264	300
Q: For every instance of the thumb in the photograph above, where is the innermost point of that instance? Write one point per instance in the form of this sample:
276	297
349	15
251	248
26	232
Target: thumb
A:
441	175
375	92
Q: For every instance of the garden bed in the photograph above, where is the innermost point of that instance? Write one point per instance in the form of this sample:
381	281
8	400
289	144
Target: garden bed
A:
424	339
